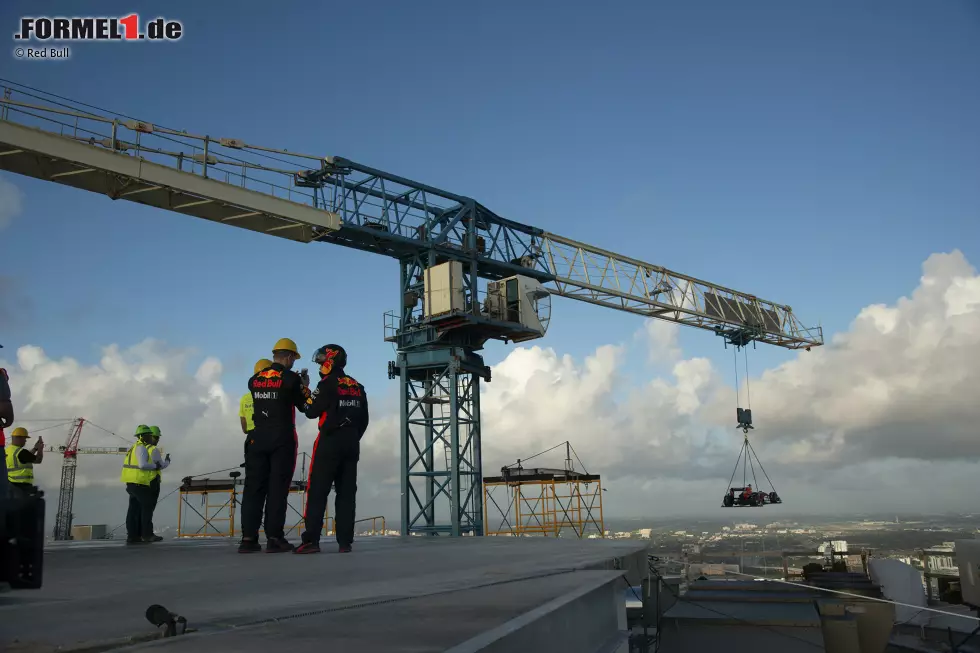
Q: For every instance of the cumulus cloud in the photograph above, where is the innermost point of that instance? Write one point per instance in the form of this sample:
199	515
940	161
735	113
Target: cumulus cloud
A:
895	390
661	341
901	382
846	424
11	202
149	383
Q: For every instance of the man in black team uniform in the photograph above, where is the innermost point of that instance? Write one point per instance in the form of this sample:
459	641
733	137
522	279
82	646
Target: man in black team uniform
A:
271	455
340	404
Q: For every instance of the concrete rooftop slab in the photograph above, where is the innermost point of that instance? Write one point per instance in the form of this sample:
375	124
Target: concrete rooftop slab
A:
426	592
744	612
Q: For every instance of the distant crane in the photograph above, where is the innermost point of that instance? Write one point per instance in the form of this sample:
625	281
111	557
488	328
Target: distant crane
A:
66	495
467	274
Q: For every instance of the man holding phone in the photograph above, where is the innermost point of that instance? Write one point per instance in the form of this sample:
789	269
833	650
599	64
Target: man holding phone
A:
271	459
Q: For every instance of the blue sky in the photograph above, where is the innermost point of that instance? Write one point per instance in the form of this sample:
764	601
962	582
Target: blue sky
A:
811	155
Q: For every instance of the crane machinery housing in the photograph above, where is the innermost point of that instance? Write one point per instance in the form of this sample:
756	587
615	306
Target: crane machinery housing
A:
467	274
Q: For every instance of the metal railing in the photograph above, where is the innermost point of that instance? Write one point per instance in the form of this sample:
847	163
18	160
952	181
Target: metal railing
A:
374	525
232	161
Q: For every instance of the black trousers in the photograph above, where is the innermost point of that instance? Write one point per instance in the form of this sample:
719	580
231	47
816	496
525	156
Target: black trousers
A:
140	513
155	490
335	457
269	467
20	490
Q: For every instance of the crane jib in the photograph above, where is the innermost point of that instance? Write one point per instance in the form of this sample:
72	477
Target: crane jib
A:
358	206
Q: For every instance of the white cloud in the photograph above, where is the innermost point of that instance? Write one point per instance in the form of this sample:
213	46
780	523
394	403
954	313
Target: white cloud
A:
11	202
849	424
149	383
897	389
902	382
661	340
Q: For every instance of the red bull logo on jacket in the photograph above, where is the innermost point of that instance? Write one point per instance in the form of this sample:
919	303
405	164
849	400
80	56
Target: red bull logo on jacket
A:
267	383
269	378
347	386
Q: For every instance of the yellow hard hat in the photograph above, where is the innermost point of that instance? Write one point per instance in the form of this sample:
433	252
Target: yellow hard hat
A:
263	364
285	344
19	432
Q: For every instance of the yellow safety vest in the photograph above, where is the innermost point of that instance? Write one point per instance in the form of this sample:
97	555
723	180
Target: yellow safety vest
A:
150	448
18	472
245	410
131	472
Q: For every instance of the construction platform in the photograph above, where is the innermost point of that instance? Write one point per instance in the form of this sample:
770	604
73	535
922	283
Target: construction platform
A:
391	594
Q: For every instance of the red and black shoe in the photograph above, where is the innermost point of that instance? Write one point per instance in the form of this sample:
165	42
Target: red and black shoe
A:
249	546
308	547
345	548
278	545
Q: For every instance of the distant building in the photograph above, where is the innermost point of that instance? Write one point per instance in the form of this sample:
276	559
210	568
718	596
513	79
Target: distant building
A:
838	546
939	562
722	570
644	533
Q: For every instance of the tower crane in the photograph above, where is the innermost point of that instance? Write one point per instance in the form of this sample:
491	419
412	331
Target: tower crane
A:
66	494
467	274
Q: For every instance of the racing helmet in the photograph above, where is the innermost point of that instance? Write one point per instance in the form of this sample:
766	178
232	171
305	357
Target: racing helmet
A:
329	358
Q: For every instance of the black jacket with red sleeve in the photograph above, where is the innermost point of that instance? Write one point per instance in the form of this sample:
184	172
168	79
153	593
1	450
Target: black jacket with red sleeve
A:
339	403
276	394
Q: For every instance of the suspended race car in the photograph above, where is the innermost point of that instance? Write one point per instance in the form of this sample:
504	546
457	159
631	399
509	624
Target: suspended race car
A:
748	494
745	496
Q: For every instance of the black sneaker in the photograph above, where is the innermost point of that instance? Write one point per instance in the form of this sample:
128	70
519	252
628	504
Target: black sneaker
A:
308	547
249	546
128	541
345	548
278	545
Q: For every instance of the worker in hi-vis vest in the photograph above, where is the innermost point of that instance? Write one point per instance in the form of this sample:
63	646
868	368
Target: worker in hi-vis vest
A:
21	461
156	456
245	405
138	473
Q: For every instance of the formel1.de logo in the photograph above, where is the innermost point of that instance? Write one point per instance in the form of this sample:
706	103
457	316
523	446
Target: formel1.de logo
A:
91	28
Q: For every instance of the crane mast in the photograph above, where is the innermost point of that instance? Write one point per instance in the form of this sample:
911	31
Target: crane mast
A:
66	494
466	274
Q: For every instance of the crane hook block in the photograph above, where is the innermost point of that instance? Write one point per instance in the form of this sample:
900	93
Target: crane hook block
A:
744	416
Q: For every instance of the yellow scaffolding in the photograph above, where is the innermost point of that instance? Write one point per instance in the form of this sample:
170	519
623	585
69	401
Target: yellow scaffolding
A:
216	506
217	501
542	501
